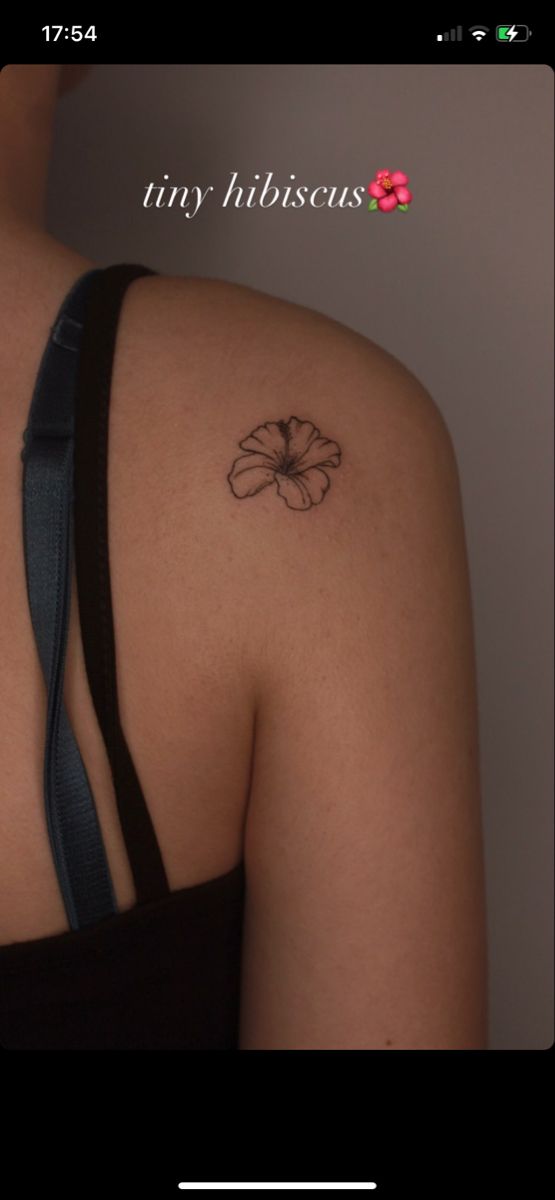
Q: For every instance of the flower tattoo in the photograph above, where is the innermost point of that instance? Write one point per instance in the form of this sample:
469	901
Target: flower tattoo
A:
291	454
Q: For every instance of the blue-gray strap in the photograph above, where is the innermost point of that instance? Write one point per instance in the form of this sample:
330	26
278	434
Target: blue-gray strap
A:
48	466
92	569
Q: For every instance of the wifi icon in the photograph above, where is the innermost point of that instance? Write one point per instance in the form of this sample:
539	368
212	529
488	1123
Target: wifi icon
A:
478	31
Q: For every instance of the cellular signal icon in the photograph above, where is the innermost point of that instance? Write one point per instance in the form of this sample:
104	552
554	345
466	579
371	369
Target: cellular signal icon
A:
455	35
478	32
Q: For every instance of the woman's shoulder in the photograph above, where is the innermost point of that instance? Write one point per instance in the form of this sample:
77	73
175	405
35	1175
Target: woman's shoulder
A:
250	349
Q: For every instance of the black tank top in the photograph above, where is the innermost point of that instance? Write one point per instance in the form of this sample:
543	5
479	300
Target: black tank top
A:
164	974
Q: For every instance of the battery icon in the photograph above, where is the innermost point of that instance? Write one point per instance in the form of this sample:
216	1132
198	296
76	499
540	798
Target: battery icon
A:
512	33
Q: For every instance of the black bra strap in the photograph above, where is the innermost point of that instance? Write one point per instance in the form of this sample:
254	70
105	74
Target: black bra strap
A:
73	829
98	340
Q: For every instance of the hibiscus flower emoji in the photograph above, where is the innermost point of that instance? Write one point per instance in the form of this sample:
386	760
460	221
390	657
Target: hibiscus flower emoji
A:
290	454
388	191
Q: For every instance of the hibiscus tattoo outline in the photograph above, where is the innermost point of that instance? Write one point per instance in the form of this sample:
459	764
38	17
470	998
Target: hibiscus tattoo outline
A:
292	454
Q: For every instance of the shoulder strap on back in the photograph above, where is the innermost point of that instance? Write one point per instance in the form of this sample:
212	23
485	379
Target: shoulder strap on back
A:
98	340
65	500
73	828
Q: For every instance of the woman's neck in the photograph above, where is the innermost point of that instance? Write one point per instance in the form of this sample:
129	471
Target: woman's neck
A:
36	272
28	97
29	256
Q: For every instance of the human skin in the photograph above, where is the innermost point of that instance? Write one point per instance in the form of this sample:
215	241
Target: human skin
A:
344	620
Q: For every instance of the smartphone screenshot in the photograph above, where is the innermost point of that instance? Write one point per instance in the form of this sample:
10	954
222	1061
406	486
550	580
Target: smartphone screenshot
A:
276	600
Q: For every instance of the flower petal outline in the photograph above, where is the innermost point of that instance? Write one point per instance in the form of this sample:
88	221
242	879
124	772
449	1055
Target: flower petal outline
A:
303	490
249	474
267	439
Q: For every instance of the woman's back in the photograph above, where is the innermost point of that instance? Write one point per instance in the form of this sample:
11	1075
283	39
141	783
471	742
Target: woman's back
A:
255	645
184	699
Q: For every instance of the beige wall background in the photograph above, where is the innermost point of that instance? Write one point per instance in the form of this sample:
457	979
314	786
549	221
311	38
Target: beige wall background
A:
460	288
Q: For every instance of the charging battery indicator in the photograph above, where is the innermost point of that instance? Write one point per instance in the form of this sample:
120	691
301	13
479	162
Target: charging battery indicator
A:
512	33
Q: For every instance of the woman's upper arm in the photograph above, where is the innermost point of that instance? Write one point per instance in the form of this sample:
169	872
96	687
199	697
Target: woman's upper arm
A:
365	905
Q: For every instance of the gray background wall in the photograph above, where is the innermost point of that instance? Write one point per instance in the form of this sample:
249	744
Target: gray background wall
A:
460	288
